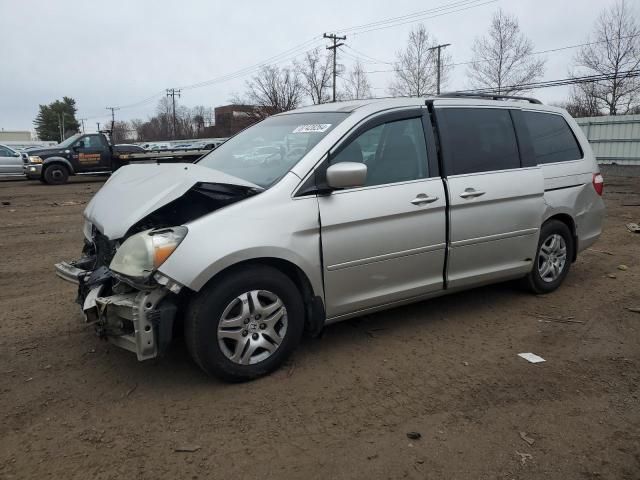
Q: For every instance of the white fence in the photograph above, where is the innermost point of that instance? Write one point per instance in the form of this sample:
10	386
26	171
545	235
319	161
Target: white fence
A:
614	139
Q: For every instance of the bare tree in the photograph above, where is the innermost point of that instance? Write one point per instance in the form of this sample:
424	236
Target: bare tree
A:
614	50
582	102
273	90
315	71
137	126
122	132
502	60
201	115
357	85
415	67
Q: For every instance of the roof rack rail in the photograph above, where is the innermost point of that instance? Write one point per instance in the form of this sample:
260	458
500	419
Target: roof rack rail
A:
489	96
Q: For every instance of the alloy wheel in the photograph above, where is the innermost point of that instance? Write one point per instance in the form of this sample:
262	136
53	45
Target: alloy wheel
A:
552	258
252	327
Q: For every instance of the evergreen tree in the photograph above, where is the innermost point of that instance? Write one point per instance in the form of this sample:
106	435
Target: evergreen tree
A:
49	121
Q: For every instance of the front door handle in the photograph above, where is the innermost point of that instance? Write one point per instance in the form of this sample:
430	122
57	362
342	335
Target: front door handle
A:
423	199
471	193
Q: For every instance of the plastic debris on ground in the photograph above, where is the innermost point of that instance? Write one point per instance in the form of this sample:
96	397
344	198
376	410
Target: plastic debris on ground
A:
531	357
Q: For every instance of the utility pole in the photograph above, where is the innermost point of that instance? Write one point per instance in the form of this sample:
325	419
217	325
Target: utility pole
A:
61	125
172	92
113	119
98	124
82	121
438	65
334	47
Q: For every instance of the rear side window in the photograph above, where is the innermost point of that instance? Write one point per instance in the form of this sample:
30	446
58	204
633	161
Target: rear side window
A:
551	138
478	140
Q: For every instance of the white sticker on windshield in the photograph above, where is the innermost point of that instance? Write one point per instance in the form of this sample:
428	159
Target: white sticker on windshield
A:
312	128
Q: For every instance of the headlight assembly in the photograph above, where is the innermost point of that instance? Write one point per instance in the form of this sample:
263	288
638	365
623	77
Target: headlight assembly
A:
144	252
35	159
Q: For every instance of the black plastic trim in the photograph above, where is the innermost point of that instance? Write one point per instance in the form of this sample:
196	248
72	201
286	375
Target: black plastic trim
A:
563	188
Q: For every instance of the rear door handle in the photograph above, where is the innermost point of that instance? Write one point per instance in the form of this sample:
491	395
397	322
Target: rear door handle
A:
471	193
423	199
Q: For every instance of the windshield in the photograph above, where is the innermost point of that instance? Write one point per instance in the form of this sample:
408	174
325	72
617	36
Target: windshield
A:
265	152
69	141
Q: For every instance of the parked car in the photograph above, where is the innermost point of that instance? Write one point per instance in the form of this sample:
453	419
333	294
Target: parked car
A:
128	148
11	161
454	192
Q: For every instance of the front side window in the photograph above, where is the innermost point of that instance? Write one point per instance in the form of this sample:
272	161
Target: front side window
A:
478	140
393	152
5	152
551	137
69	141
265	152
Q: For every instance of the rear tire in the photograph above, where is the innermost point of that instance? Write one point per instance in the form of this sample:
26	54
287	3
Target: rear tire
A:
55	174
553	258
245	324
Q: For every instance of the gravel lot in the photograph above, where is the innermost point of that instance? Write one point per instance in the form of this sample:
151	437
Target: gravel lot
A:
76	407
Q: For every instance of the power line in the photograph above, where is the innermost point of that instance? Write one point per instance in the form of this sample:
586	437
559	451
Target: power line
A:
367	56
274	59
423	18
412	17
556	83
380	24
469	62
552	50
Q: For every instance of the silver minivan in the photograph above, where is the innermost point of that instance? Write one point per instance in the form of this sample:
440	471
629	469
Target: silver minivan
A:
361	206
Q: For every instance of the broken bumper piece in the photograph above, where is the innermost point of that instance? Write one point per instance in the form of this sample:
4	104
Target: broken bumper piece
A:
70	271
139	321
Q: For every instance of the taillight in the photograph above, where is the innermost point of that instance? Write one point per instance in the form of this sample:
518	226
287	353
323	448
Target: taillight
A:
598	183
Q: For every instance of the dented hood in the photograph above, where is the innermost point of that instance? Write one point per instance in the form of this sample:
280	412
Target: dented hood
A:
135	191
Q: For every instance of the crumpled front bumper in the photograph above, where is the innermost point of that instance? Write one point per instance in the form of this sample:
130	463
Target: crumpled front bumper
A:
137	321
140	321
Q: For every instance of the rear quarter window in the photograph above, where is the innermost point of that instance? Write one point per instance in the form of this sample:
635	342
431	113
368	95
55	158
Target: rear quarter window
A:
551	138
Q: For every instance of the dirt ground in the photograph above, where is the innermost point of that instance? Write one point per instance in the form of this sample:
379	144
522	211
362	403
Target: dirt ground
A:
72	406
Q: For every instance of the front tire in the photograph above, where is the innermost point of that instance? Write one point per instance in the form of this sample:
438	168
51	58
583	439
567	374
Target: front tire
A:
553	258
55	174
245	324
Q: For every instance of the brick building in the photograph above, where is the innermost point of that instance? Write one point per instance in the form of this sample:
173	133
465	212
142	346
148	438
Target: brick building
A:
230	119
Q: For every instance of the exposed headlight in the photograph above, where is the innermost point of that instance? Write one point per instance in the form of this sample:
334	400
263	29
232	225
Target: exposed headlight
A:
35	159
144	252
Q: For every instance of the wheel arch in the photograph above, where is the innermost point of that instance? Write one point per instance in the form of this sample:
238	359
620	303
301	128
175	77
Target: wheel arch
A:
314	305
58	161
569	221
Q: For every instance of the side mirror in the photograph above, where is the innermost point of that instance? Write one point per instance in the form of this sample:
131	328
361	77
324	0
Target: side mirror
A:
347	174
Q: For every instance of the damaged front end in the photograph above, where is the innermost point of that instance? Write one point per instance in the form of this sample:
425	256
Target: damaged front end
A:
136	313
120	290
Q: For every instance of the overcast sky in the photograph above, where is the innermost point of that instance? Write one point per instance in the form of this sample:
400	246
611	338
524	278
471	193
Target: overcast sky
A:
119	53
